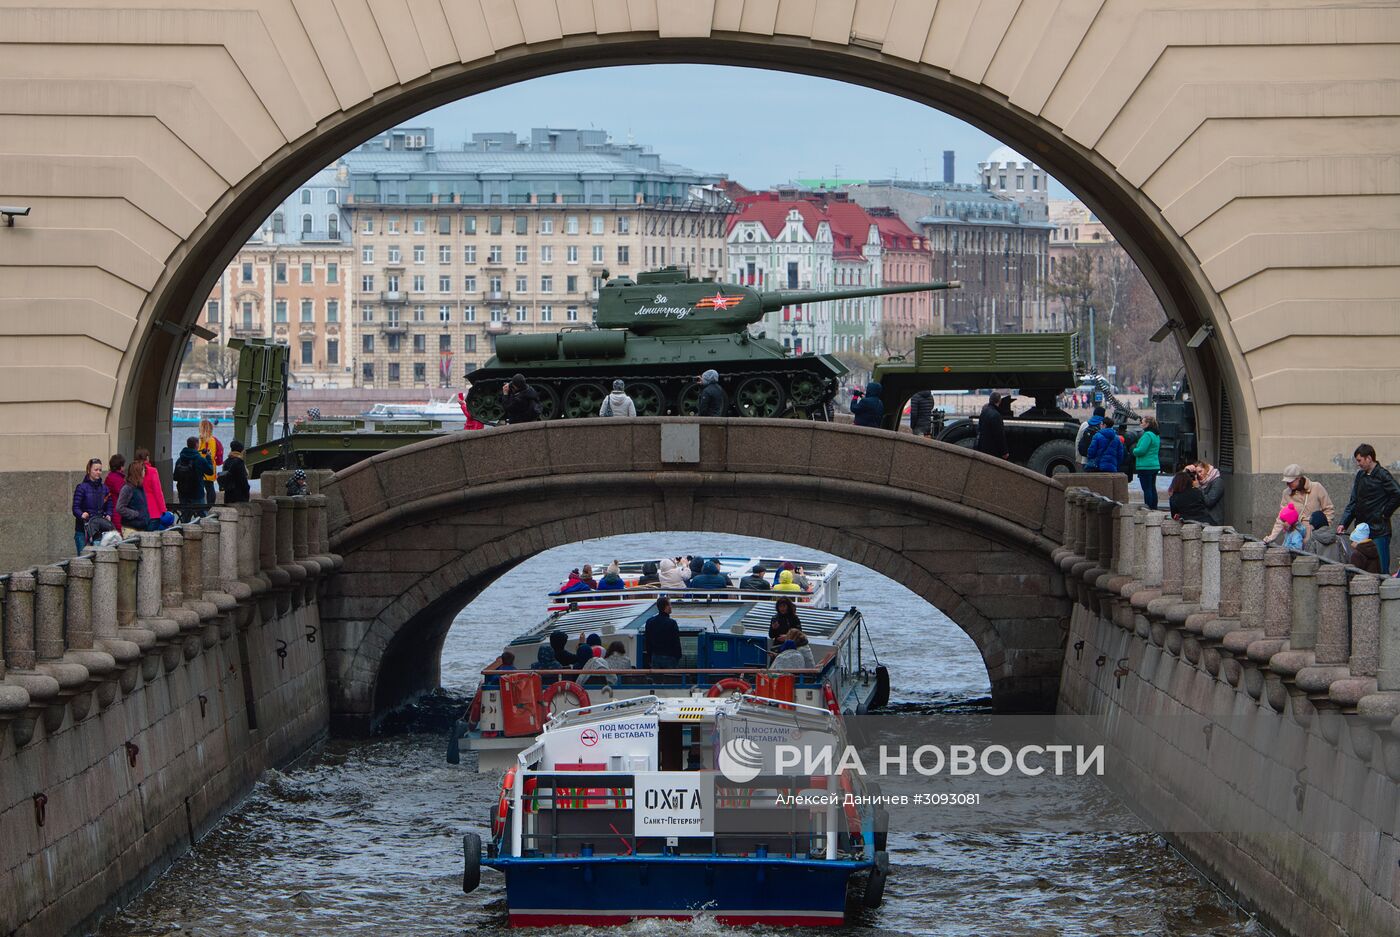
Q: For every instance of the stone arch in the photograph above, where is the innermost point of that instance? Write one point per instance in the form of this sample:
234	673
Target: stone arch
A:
969	534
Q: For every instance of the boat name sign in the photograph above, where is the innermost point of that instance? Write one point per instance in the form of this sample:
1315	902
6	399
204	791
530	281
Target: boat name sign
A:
674	804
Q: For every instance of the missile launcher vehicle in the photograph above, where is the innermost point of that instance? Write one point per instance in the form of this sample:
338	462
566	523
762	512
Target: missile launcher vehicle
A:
658	333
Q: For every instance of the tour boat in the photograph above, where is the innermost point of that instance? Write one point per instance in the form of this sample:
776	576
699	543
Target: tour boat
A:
191	416
679	808
725	650
822	577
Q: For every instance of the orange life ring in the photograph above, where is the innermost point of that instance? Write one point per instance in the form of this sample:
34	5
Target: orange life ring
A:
579	694
727	684
531	801
498	819
474	713
829	698
852	814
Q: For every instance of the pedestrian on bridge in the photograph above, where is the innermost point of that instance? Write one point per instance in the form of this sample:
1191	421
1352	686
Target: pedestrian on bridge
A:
90	499
712	401
1307	496
991	429
618	403
1374	497
921	413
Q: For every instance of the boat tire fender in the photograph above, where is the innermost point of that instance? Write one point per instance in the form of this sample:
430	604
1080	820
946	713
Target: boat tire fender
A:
881	697
471	862
874	895
727	685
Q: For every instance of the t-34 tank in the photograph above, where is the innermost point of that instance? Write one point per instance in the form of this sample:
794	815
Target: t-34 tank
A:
658	333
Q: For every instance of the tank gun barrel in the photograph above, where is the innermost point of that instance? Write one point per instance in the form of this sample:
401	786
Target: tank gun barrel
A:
777	299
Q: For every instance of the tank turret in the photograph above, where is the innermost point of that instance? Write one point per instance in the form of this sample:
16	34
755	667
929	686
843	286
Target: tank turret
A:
657	333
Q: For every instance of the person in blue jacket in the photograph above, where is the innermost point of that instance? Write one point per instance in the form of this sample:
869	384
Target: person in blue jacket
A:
710	578
868	409
1105	449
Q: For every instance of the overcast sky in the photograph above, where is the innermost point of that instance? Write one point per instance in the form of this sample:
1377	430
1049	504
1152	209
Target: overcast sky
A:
759	127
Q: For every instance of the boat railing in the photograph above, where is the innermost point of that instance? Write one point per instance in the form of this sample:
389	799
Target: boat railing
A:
671	677
640	594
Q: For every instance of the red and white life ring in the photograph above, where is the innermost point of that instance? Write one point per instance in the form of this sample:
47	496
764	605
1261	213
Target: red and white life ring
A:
852	814
829	698
498	819
579	694
727	685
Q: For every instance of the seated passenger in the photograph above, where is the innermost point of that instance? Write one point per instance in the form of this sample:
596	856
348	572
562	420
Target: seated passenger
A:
788	658
557	640
505	662
710	577
755	580
784	620
587	577
651	575
612	579
696	565
802	581
804	647
671	575
574	583
785	583
545	659
616	659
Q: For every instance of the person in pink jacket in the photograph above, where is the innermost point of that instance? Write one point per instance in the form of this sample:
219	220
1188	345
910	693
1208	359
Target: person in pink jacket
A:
155	496
116	477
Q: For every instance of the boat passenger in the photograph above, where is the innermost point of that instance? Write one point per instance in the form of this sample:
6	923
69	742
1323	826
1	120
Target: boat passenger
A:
588	579
505	662
612	579
566	658
802	581
697	567
804	647
671	575
710	577
663	637
545	659
755	580
784	620
785	583
651	575
695	757
588	648
789	657
574	583
616	659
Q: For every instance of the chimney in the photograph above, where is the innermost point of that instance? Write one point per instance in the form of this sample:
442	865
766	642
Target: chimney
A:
948	166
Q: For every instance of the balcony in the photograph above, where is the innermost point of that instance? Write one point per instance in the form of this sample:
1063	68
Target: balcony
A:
245	329
497	296
394	327
495	327
393	296
494	265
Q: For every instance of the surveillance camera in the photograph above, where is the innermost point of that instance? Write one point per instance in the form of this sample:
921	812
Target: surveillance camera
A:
10	211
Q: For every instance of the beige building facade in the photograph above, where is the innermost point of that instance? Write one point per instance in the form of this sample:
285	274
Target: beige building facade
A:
1243	156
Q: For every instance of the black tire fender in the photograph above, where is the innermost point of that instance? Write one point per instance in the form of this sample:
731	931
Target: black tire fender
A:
471	862
874	894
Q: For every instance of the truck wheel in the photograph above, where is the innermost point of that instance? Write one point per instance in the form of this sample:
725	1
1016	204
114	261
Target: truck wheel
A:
471	862
1053	458
960	434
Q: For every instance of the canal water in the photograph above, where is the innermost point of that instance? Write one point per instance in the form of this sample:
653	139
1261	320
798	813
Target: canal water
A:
364	837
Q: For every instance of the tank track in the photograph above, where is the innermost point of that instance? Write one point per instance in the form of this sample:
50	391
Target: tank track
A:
748	394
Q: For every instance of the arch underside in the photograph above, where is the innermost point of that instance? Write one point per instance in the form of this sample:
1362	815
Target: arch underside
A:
385	630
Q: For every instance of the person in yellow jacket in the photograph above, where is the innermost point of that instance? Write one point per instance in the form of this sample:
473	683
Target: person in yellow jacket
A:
213	450
785	583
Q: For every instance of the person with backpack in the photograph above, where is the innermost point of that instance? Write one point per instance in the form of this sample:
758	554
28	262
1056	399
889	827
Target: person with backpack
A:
1087	429
213	450
233	479
618	403
188	474
1105	449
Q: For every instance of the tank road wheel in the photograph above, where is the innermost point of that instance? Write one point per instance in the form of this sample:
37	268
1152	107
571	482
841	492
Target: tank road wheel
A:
647	398
806	391
582	400
760	397
689	400
549	401
484	401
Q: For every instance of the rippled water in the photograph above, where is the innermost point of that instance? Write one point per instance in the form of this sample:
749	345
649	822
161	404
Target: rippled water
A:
364	837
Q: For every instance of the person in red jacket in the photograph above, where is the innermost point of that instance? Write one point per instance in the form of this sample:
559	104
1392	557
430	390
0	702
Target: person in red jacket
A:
116	477
155	495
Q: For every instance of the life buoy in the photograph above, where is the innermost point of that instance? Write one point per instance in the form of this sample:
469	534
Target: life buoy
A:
498	819
474	713
848	802
579	694
531	801
829	698
728	684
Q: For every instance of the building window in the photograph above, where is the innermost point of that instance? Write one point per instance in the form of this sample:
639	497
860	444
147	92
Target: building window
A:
332	273
444	313
420	225
332	351
571	224
546	254
279	223
469	284
419	283
420	343
444	253
444	343
279	311
367	254
367	226
332	310
306	273
546	226
497	314
367	283
522	224
1020	182
333	227
546	313
469	224
307	352
418	314
571	254
468	315
444	225
393	372
444	284
494	284
332	197
395	256
624	254
546	284
522	254
367	372
571	313
420	253
279	272
367	344
306	225
493	254
522	284
597	253
391	225
420	372
394	342
307	313
624	224
247	315
306	196
493	224
571	284
366	313
212	315
469	343
522	314
595	224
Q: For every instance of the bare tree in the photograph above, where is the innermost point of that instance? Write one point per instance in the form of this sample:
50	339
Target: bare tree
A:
210	363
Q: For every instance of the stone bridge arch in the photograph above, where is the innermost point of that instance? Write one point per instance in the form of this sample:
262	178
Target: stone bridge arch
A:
425	528
1243	152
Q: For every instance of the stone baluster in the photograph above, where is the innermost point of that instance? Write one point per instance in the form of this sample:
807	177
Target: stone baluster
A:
213	590
1170	594
267	511
126	653
1177	614
299	528
253	557
1150	586
128	627
1127	541
1302	626
1113	583
1251	619
232	536
1084	557
1105	561
1069	555
148	599
319	513
285	539
1388	667
1214	630
192	580
1139	546
14	699
1208	593
1333	648
1364	660
51	582
1277	611
21	659
172	583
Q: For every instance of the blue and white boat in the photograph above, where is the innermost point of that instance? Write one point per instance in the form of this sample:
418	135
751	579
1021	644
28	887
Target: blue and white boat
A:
676	808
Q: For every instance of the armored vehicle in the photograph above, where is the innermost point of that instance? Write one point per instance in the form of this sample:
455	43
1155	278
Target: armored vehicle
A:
659	333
